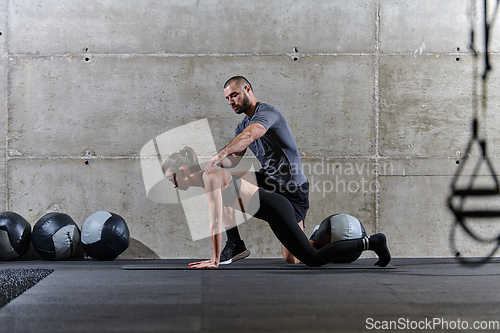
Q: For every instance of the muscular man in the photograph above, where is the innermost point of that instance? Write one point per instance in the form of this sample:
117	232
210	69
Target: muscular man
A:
265	131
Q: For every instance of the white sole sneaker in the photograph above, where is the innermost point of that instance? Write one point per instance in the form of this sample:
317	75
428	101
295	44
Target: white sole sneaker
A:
237	257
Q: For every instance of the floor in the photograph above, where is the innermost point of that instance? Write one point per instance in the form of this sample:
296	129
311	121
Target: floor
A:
254	295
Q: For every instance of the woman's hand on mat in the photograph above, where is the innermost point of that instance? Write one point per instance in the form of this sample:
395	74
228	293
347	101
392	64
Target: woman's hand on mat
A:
204	264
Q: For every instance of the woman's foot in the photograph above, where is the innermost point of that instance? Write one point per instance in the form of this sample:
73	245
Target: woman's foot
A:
378	244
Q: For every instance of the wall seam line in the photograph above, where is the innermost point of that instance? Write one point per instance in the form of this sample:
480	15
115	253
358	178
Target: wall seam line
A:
7	89
376	92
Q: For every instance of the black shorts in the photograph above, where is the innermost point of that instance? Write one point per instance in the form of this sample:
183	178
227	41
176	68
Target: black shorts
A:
297	195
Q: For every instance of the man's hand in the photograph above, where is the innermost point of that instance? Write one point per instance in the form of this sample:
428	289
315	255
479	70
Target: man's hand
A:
238	146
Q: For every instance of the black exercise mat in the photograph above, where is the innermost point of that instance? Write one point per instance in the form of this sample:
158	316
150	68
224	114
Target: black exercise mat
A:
253	264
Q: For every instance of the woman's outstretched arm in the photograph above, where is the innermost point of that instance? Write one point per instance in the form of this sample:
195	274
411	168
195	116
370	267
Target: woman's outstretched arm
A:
213	184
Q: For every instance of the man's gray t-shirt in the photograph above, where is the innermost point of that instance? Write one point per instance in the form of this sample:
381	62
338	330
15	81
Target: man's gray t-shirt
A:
276	150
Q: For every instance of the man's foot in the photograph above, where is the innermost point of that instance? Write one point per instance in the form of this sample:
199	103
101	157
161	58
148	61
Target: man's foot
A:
378	243
233	252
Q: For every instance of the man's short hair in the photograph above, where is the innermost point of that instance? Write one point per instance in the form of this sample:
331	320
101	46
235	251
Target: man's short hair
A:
242	81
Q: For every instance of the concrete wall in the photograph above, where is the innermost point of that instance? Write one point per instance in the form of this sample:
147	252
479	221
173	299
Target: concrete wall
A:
377	92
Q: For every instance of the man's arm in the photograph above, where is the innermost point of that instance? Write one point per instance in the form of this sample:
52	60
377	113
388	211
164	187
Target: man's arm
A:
232	160
236	147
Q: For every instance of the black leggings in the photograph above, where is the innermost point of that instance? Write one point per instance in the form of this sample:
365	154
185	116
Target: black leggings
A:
278	212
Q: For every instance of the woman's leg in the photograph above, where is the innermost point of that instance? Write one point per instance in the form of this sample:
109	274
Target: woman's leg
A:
278	212
336	250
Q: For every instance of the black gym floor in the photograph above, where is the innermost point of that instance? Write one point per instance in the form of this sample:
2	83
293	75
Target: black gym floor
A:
253	295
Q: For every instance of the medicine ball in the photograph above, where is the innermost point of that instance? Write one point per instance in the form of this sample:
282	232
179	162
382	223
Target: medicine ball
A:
105	236
339	227
15	236
56	237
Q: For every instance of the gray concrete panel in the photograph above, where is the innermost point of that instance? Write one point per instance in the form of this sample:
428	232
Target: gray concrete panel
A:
85	108
408	26
425	105
434	116
327	101
420	27
414	213
113	106
188	26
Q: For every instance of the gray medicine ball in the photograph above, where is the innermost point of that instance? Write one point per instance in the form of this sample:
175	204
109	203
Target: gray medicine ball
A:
105	236
15	236
337	228
56	236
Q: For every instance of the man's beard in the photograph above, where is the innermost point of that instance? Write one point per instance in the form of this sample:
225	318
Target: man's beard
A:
245	104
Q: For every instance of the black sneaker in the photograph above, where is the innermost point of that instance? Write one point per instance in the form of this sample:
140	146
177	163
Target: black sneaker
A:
233	252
